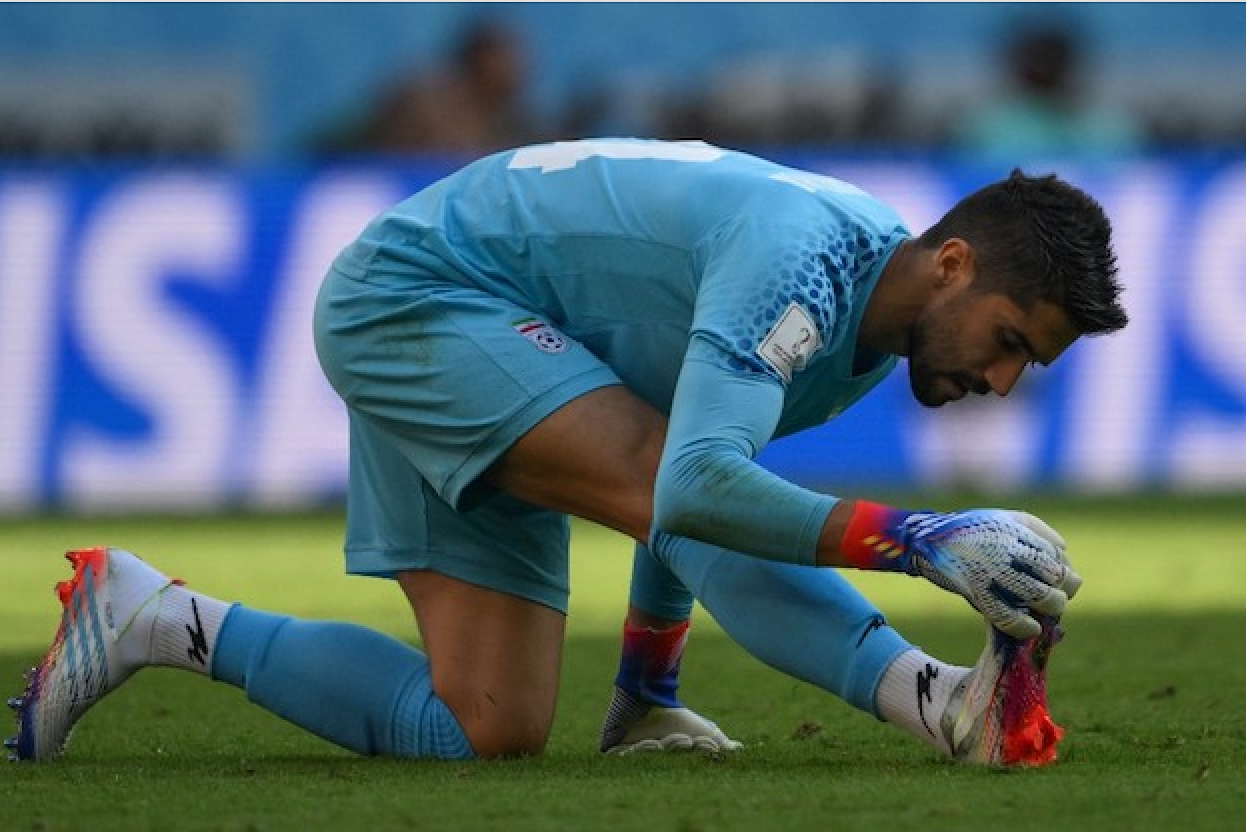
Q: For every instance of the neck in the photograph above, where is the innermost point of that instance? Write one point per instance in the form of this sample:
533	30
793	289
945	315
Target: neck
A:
895	303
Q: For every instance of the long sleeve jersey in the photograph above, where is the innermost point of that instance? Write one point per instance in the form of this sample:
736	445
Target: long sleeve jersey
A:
724	289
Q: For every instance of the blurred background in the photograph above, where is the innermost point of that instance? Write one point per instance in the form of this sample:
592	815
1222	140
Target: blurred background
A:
174	179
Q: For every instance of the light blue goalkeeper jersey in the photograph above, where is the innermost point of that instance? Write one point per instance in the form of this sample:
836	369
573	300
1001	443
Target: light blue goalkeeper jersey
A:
724	289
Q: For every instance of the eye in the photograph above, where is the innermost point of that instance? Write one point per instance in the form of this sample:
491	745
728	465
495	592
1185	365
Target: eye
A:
1013	342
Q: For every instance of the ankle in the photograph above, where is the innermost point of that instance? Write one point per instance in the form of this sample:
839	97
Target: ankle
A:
186	627
650	662
914	693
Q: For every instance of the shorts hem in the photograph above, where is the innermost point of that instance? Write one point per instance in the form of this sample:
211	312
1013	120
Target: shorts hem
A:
375	563
458	487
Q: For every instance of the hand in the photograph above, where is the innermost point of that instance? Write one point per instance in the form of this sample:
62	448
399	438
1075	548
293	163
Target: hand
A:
1074	581
1007	564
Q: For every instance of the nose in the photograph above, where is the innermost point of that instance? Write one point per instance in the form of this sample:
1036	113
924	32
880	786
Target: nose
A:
1003	375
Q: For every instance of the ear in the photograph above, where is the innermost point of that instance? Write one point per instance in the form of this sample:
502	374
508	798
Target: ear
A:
955	262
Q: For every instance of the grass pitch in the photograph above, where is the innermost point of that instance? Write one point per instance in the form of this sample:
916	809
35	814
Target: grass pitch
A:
1148	684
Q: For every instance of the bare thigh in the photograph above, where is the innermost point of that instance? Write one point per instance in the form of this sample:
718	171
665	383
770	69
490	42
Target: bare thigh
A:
496	657
495	660
595	458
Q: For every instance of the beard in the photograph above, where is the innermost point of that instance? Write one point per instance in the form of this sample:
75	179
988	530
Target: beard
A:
923	380
933	385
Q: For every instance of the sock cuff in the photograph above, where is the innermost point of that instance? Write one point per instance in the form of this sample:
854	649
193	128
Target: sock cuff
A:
914	693
187	630
649	666
659	647
423	725
241	630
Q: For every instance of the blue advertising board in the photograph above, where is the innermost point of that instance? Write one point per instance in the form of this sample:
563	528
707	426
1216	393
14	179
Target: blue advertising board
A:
157	343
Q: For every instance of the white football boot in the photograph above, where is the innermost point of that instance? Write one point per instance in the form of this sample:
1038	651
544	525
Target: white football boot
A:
110	605
997	714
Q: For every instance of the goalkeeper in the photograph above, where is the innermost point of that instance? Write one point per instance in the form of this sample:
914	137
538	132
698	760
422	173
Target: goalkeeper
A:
613	330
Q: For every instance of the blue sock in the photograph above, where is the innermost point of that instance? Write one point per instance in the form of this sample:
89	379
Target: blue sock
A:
649	665
808	622
650	659
656	590
350	685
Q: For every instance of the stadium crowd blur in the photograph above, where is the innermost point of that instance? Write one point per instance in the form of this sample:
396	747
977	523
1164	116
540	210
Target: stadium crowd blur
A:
1039	107
1042	99
473	106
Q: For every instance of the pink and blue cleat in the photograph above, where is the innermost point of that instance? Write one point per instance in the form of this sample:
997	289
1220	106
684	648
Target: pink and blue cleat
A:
998	714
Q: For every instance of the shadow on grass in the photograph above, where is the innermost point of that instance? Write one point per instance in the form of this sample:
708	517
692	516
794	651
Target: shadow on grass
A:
1151	705
1148	669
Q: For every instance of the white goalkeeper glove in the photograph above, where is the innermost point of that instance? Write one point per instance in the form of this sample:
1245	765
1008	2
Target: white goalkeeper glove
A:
1009	565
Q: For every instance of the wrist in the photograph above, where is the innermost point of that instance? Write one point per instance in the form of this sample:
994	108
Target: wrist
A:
876	538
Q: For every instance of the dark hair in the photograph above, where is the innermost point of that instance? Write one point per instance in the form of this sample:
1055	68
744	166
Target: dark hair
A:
1040	238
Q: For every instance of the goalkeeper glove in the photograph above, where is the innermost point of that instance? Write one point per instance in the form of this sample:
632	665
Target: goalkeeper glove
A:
1006	564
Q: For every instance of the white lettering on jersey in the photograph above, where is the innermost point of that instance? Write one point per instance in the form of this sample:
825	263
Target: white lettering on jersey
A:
814	182
790	342
566	155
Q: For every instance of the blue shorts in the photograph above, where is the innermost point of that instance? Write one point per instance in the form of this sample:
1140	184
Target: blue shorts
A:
439	381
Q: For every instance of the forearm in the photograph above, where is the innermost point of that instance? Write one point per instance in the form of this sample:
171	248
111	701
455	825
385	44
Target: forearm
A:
709	486
728	500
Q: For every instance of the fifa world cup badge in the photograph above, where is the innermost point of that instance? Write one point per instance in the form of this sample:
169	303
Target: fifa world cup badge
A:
544	336
791	342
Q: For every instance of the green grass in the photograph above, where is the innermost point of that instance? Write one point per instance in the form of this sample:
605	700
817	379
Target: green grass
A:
1148	684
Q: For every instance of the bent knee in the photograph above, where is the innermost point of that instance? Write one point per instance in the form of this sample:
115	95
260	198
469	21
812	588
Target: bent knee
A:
491	741
502	729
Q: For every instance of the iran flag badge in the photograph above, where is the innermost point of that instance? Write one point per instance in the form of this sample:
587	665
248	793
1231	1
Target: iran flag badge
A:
544	336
